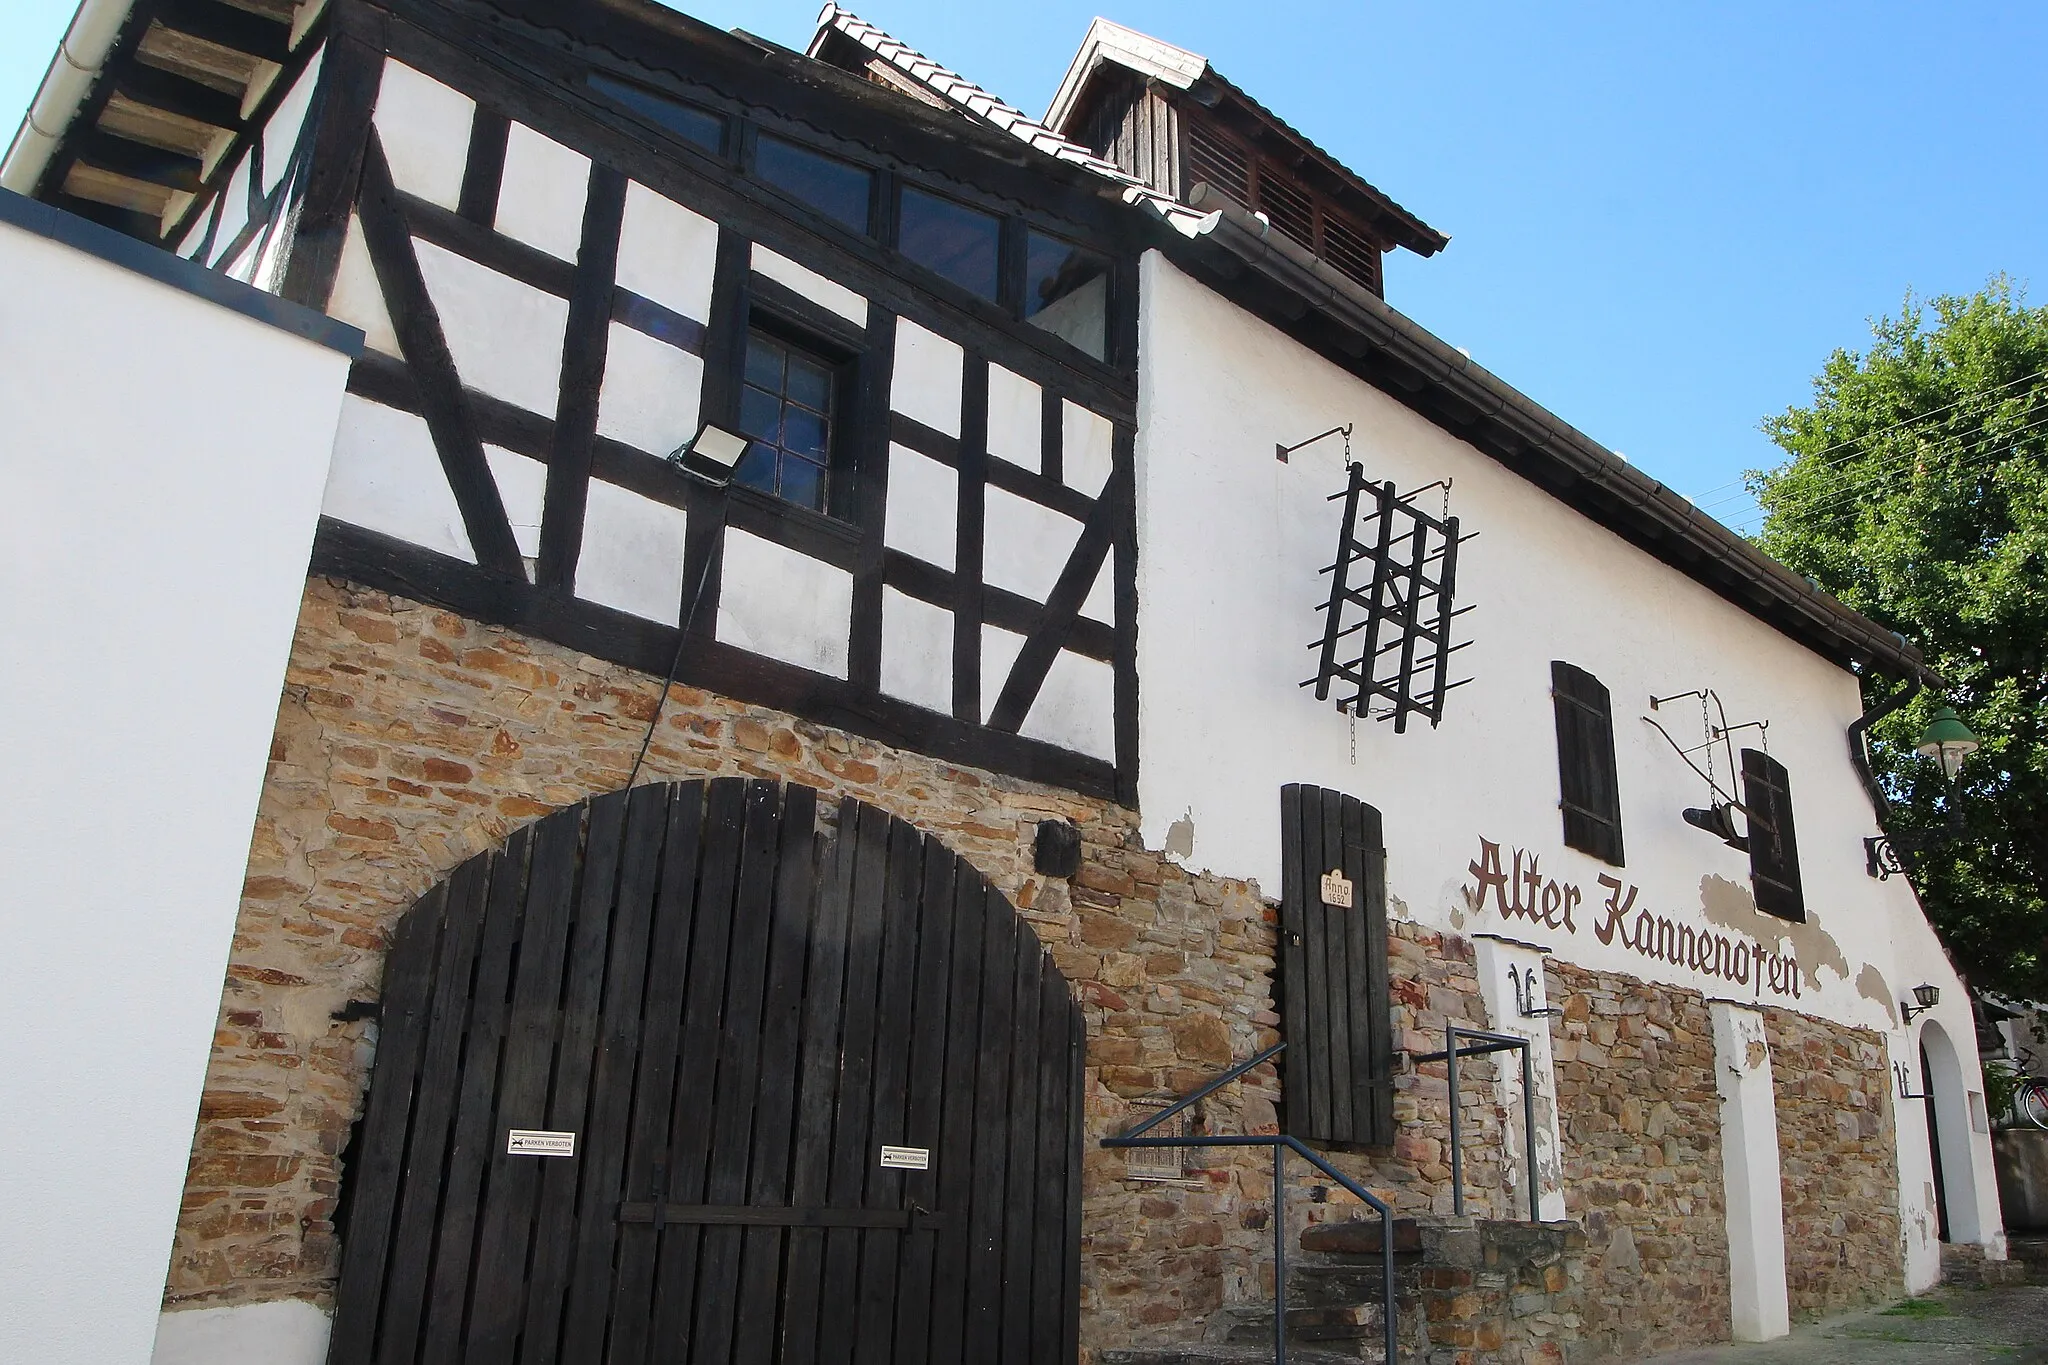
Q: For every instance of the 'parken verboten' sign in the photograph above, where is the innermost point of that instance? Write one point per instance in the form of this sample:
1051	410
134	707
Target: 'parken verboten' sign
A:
1525	893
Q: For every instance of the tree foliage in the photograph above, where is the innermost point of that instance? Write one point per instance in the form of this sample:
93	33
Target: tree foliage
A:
1917	492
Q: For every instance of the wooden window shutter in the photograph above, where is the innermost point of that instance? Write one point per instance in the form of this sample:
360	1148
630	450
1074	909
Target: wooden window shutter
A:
1773	848
1589	794
1336	1015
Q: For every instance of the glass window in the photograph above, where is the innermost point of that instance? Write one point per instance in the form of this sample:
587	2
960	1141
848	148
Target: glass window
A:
958	242
786	406
1066	291
833	188
696	125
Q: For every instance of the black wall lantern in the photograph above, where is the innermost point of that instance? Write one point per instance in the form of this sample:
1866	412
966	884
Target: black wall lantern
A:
1925	998
1948	741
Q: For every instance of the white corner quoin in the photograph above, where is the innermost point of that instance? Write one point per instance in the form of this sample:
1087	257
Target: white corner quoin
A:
142	702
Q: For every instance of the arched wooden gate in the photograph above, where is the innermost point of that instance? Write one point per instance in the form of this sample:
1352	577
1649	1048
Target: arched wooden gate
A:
756	1034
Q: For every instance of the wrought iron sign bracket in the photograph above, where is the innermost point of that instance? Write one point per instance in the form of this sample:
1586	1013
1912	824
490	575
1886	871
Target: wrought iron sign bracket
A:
1387	624
1893	852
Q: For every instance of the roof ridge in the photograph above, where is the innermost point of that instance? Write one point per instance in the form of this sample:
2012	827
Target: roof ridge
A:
963	94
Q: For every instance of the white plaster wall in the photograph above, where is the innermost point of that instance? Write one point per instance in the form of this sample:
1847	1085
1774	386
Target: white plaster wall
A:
1085	453
925	380
1759	1305
782	603
1510	973
632	556
285	1332
505	336
650	392
522	486
1231	542
1075	709
1230	545
540	199
159	488
424	127
1024	544
386	476
358	299
1016	414
667	253
828	294
917	651
922	514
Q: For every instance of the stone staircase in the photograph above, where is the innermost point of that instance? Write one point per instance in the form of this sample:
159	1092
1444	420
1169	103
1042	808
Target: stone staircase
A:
1468	1292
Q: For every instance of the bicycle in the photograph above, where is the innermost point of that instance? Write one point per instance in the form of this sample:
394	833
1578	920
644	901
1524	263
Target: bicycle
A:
2030	1101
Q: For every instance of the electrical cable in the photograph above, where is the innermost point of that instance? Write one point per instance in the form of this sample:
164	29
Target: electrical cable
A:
1705	498
1825	500
1887	466
675	664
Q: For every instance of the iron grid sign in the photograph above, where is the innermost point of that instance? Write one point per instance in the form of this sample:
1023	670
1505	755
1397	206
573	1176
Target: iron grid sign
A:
1386	646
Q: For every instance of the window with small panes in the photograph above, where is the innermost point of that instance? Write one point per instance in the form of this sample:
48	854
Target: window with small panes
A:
791	410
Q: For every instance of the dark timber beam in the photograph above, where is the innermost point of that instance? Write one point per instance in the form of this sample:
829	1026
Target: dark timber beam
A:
175	94
109	152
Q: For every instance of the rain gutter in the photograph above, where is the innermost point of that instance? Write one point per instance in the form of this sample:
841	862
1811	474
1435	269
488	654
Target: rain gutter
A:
70	75
1654	508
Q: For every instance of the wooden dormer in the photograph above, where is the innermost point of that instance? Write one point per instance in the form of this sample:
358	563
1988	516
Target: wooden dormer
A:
1166	116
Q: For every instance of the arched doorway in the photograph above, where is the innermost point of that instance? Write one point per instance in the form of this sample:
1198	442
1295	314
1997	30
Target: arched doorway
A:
1948	1135
824	1092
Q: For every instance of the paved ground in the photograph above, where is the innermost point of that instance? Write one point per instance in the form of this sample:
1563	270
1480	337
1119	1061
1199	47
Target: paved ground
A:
1948	1327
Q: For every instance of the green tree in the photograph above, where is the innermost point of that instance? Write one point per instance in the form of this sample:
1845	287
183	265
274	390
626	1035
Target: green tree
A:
1917	492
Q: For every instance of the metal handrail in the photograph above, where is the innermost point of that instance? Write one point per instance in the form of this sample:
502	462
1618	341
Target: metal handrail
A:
1281	1144
1490	1043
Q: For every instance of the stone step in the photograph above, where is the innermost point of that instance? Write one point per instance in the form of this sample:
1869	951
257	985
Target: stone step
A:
1215	1354
1353	1332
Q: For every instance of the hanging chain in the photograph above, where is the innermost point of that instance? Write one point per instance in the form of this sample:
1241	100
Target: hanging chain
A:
1707	733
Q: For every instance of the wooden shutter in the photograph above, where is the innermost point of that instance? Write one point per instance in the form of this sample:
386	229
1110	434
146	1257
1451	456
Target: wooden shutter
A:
1588	792
1773	849
1335	1012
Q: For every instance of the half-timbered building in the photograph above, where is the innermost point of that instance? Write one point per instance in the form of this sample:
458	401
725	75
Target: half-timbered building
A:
860	647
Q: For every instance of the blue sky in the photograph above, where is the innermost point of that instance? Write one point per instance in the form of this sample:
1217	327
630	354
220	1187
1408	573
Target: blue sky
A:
1663	216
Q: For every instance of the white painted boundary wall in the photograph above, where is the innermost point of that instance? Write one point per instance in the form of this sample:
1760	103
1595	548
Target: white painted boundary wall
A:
1759	1305
160	478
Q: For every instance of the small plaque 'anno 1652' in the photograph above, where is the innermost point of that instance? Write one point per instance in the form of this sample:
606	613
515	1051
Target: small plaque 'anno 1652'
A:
1337	889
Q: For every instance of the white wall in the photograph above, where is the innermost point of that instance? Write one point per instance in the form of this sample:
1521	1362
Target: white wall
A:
159	484
1231	542
1759	1305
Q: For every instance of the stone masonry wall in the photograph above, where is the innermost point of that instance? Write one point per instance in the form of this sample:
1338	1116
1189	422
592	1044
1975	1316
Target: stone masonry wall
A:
1640	1124
1838	1164
409	738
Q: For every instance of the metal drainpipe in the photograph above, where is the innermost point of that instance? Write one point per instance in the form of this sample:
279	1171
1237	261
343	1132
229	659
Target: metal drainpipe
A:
1859	751
72	70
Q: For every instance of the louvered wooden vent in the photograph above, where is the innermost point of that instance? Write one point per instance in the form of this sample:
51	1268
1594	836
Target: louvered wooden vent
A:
1294	210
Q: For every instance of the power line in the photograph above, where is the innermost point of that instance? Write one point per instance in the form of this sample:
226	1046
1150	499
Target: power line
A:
1827	500
1705	498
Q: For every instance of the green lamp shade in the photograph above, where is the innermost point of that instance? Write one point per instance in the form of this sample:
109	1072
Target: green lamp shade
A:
1948	741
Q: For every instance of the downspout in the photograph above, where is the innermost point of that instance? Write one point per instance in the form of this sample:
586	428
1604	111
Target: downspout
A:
1859	746
65	84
